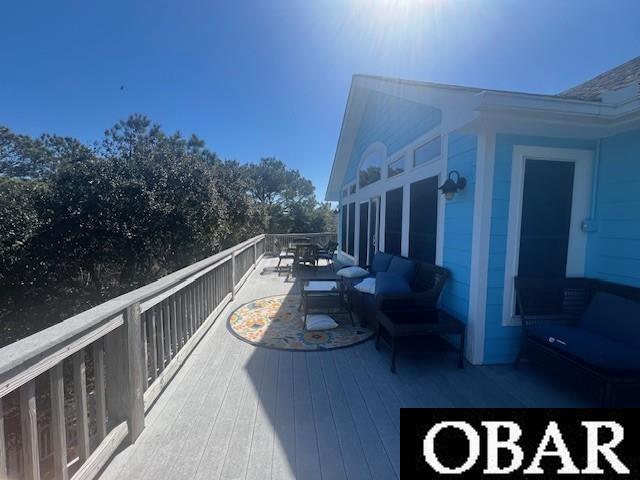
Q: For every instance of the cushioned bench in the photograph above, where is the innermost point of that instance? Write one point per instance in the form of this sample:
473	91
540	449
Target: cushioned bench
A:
585	325
400	284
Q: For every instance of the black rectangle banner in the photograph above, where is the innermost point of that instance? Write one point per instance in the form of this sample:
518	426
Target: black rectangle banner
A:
521	443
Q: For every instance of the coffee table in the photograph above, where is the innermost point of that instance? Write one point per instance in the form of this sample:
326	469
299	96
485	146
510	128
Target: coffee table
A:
324	296
411	325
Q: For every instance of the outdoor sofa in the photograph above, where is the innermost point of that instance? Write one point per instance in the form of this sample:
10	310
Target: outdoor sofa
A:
402	284
585	331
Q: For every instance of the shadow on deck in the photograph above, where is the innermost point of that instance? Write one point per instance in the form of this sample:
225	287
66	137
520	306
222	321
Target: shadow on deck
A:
239	411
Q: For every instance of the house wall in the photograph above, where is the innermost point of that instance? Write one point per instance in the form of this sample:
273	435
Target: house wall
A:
503	342
458	225
393	121
613	250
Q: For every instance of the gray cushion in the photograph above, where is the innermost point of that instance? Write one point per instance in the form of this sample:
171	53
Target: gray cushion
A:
614	317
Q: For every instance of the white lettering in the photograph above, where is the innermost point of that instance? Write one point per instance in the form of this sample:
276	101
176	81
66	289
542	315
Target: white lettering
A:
430	454
606	449
494	446
552	434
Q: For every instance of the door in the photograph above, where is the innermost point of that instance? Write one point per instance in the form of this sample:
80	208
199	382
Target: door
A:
374	227
550	197
363	239
546	218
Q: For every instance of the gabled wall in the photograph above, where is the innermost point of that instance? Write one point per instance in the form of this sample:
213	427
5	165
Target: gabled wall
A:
458	226
393	121
503	342
613	251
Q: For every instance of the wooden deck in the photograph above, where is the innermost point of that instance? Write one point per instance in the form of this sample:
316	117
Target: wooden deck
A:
238	411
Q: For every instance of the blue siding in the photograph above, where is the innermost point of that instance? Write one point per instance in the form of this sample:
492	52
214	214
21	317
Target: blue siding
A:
502	343
458	226
392	121
613	251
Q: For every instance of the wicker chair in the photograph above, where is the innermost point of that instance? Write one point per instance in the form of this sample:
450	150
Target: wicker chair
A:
543	303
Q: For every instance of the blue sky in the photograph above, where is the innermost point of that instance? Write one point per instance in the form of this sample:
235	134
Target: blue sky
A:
271	78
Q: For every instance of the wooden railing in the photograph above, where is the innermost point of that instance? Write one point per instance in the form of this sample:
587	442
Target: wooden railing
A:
284	239
136	343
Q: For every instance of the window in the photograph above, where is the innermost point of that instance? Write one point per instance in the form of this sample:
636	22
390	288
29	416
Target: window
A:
345	193
393	222
352	190
352	229
423	219
427	152
343	233
395	168
371	169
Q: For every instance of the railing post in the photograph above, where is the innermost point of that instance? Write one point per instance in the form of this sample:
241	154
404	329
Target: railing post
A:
233	276
255	254
124	351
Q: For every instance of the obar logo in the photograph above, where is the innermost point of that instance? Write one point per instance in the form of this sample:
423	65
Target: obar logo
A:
528	443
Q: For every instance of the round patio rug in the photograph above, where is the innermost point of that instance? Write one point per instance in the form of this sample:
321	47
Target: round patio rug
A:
275	322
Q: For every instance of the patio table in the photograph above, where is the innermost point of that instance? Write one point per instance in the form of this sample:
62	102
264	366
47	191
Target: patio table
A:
412	325
324	296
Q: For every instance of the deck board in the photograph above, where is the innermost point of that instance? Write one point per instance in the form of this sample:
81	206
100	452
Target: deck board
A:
237	411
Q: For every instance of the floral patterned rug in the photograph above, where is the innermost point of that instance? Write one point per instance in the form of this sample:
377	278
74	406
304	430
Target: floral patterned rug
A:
275	322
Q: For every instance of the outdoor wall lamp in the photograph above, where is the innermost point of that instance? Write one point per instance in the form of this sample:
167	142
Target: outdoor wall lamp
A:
451	186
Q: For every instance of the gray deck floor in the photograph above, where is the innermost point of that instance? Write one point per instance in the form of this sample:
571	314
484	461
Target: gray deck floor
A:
238	411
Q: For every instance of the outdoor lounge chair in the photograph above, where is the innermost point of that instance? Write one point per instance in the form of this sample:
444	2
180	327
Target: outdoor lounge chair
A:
585	331
424	283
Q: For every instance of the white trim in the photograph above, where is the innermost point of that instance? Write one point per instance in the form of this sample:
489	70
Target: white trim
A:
481	236
444	158
580	207
435	167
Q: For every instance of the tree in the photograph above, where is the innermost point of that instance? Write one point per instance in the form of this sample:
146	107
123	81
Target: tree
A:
81	224
288	199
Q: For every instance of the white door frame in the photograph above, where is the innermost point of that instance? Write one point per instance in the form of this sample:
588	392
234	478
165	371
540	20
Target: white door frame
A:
580	207
373	229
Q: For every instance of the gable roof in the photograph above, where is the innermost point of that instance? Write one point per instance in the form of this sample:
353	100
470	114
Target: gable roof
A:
613	79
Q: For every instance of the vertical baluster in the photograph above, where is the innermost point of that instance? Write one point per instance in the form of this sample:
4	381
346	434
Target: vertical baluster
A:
212	301
200	300
29	426
153	345
101	407
185	314
205	295
145	350
196	306
58	424
3	447
187	321
192	303
167	330
174	325
80	392
160	332
179	320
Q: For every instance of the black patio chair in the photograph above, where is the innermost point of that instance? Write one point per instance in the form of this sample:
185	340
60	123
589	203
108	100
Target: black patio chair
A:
328	253
283	254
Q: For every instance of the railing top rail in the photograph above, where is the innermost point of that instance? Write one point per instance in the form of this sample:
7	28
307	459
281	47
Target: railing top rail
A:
34	348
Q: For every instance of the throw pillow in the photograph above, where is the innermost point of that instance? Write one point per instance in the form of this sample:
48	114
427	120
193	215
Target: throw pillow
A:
352	272
367	285
320	322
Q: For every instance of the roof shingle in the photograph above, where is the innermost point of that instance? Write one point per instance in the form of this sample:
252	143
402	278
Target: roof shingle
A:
613	79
